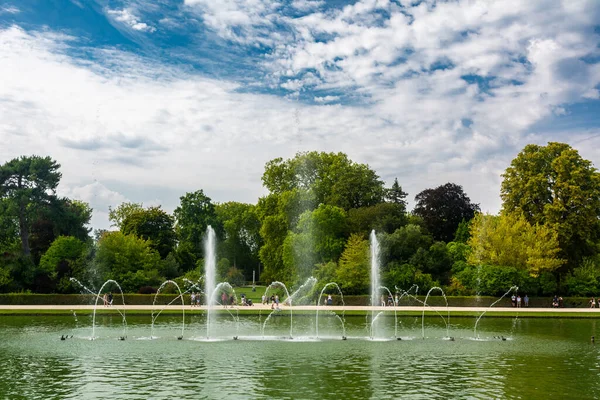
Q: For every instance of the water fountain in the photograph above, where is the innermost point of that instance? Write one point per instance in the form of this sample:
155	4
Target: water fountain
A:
168	282
97	296
515	288
305	289
341	319
373	320
446	321
210	263
374	277
281	285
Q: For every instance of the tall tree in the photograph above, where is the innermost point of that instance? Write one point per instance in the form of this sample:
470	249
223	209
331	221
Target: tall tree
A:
554	185
152	224
27	182
332	178
395	194
123	210
193	215
443	209
64	260
510	241
242	235
353	272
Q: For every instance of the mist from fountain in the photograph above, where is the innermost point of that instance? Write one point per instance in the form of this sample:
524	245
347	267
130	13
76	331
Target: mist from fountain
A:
373	320
374	277
446	321
227	288
281	285
515	288
210	272
162	309
302	292
341	319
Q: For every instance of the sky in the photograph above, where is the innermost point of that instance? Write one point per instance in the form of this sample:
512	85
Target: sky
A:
145	100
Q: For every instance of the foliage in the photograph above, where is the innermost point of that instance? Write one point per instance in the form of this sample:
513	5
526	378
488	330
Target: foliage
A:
443	209
510	240
25	183
332	178
235	277
463	233
353	272
154	225
129	260
194	214
493	280
585	279
396	195
382	217
242	240
401	245
117	215
64	259
553	185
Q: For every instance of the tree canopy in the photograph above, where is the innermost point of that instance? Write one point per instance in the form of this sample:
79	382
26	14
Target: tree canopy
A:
443	209
553	185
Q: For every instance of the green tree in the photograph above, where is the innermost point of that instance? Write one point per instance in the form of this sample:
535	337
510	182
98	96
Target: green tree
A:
443	209
509	240
383	217
353	272
123	210
129	260
242	239
332	179
152	224
396	195
64	259
193	215
27	182
401	245
553	185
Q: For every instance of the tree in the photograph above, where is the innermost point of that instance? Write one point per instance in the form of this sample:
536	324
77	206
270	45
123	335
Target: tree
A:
152	224
509	240
552	185
129	260
353	272
383	217
395	194
27	182
242	235
443	209
117	215
331	178
193	215
64	259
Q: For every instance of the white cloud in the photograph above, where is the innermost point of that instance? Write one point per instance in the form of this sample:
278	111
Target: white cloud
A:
9	9
149	131
127	17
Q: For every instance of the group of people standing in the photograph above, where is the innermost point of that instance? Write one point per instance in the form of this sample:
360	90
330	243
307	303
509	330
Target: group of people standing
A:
273	300
195	299
391	301
107	299
517	301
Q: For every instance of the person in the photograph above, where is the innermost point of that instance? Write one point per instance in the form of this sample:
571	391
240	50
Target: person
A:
198	299
264	299
104	300
193	299
513	300
382	301
390	300
519	301
277	301
526	300
593	303
110	298
232	301
329	300
555	301
560	302
272	299
224	299
396	300
243	299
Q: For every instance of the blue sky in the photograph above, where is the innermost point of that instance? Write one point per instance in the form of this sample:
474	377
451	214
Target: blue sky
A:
145	100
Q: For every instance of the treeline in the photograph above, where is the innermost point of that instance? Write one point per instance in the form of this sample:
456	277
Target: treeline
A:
316	221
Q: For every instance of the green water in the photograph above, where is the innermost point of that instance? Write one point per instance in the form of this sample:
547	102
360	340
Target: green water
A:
542	358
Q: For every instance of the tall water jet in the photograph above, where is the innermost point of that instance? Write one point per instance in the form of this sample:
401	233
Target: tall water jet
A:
374	277
210	268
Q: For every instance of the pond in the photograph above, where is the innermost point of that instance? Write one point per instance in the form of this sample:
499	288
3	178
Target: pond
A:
540	358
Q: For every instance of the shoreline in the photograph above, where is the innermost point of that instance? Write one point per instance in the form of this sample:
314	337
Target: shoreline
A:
506	312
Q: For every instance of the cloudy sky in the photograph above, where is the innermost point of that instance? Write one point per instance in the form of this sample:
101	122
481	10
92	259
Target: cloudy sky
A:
145	100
